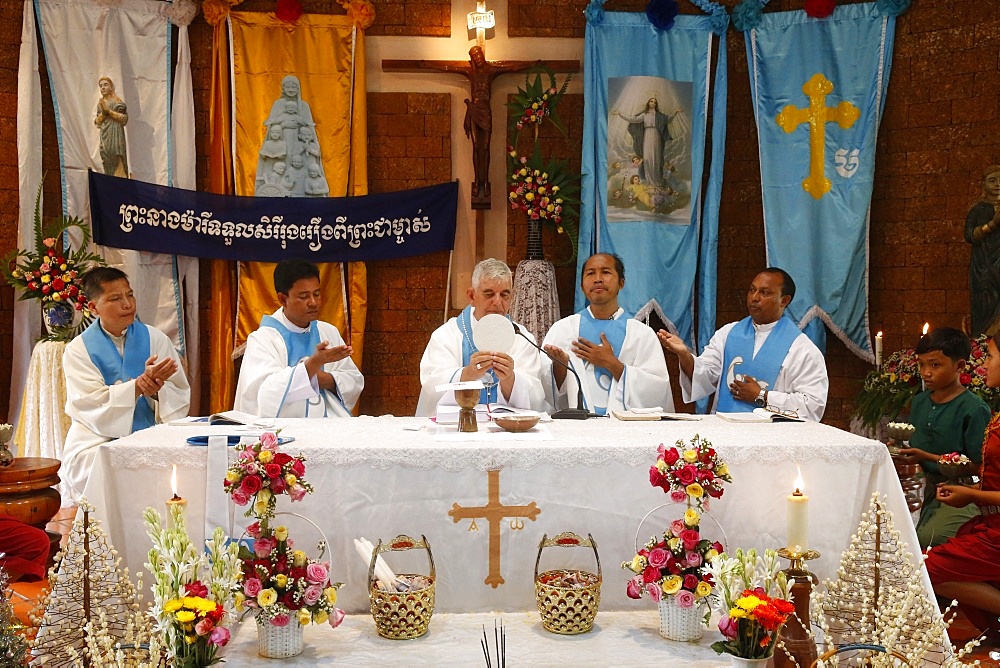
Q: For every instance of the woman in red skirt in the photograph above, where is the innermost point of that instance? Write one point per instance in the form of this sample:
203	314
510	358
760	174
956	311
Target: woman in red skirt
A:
967	567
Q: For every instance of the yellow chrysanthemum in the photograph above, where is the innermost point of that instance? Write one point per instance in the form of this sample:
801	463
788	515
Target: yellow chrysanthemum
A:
748	603
690	456
185	616
331	597
672	584
691	517
736	613
695	490
266	597
172	606
703	589
191	639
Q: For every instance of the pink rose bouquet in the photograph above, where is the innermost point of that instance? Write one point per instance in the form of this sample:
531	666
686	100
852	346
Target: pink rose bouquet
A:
281	584
690	472
674	564
261	472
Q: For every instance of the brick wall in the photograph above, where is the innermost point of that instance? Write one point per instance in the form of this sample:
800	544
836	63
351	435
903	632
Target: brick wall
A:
938	132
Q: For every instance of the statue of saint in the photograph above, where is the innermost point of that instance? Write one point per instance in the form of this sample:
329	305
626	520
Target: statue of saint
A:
112	115
982	230
289	141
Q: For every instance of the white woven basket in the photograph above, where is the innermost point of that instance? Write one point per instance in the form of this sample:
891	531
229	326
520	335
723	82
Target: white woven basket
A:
279	642
677	623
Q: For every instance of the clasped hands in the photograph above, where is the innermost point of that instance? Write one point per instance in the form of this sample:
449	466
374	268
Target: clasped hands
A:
155	375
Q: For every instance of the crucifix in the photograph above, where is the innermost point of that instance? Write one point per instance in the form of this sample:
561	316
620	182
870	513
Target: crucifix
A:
494	512
481	73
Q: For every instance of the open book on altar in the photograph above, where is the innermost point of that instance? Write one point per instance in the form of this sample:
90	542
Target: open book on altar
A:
641	414
760	415
224	418
449	414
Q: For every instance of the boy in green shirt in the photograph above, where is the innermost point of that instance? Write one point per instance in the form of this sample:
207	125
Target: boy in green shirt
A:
947	418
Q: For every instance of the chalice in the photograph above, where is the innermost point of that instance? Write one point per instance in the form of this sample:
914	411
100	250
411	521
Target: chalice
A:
467	400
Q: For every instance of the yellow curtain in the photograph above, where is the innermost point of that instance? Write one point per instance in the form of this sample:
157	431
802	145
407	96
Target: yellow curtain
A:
326	54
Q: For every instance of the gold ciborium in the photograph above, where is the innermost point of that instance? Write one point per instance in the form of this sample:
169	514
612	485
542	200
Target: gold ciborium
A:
467	400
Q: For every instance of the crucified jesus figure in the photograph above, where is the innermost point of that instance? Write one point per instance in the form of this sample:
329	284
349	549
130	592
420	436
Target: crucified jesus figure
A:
478	112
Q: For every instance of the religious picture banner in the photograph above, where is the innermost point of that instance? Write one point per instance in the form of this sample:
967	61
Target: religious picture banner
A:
649	94
142	216
818	90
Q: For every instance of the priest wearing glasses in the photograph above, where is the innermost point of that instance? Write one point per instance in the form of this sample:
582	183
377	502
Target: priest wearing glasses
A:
511	377
772	363
618	359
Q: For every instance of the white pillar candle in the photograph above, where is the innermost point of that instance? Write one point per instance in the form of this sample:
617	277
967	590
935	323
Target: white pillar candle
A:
176	500
878	349
798	519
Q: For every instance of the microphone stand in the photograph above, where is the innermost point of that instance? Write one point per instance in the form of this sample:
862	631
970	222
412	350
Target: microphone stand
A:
578	413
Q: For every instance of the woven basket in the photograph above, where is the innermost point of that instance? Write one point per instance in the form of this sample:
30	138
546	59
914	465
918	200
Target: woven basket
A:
279	642
677	623
401	615
567	610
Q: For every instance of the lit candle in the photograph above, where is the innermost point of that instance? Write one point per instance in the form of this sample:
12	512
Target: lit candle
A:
798	518
927	327
176	500
878	348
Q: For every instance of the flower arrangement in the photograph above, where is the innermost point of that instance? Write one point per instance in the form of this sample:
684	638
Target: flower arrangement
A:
281	582
260	473
690	472
51	275
888	389
753	596
544	189
954	458
676	565
193	590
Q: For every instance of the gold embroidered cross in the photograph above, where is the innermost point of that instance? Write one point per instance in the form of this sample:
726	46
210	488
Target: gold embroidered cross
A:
817	114
494	512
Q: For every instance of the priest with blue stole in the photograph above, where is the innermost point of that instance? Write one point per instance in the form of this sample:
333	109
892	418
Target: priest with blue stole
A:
510	377
296	365
617	357
763	360
121	375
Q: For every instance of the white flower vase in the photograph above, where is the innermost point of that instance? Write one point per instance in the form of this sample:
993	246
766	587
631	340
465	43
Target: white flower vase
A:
740	662
683	624
279	642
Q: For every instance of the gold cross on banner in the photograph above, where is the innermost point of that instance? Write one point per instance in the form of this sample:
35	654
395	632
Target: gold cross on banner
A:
494	512
817	114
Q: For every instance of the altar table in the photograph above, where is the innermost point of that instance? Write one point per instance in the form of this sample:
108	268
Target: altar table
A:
382	476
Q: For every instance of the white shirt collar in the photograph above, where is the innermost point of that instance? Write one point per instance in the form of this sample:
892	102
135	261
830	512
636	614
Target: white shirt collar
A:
617	314
764	329
279	315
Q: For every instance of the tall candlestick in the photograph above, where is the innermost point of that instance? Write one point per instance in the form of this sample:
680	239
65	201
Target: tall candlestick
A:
878	348
176	500
797	526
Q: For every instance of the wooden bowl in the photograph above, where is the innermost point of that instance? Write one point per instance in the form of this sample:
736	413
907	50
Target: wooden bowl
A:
517	423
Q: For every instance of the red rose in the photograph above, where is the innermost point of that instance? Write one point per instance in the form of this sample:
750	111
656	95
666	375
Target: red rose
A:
251	484
965	378
687	474
297	573
298	468
288	600
671	456
58	284
650	574
196	588
282	458
272	470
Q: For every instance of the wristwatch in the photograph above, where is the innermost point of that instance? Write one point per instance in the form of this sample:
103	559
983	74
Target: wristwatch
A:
760	397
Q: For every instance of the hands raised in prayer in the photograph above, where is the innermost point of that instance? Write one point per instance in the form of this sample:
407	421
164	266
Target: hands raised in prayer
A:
156	374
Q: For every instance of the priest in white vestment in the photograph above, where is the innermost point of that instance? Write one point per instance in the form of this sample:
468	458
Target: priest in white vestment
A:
511	378
773	363
295	365
618	358
121	376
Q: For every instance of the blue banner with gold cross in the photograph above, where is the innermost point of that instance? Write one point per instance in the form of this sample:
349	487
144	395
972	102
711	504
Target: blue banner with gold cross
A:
818	90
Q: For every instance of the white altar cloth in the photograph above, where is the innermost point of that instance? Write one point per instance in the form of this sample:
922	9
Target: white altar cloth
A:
375	477
617	639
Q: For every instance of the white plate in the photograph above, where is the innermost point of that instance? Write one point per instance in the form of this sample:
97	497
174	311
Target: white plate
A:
494	333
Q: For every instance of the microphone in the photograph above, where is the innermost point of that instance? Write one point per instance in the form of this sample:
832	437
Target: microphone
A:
578	413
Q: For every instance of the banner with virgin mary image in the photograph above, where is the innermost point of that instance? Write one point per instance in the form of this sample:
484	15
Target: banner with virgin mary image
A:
649	94
299	131
818	90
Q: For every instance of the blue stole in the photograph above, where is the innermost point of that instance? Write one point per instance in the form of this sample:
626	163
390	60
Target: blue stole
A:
764	366
118	368
299	345
488	395
591	329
